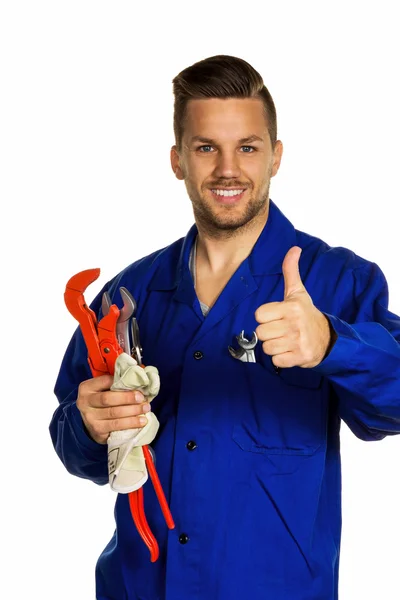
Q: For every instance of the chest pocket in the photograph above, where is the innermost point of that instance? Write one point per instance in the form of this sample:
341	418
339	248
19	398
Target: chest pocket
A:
280	413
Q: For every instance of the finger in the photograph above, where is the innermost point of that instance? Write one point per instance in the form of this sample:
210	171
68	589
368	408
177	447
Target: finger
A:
121	412
109	425
114	398
291	273
278	346
286	360
272	330
97	384
272	311
139	396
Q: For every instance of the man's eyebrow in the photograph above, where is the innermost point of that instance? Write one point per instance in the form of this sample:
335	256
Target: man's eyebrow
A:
246	140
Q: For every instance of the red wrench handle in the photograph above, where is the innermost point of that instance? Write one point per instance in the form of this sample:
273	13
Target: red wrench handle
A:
158	488
136	504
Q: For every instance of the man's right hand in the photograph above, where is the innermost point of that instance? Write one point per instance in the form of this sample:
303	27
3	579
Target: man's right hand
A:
104	411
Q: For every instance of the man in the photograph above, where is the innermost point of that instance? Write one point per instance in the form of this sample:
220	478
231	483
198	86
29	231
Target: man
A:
247	452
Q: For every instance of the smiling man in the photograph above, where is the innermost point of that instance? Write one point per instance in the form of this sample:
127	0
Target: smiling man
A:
227	176
265	338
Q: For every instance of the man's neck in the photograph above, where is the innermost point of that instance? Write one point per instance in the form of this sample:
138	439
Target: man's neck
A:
216	256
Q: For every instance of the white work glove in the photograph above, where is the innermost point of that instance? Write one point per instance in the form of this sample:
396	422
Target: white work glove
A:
126	463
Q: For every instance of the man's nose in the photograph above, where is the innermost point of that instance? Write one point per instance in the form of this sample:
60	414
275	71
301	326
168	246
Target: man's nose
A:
227	165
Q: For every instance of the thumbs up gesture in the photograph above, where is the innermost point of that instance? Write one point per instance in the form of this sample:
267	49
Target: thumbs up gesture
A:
294	332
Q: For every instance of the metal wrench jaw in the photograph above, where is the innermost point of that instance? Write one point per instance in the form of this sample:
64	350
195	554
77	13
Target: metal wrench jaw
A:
136	346
126	312
246	350
246	356
245	343
105	303
129	307
239	354
122	329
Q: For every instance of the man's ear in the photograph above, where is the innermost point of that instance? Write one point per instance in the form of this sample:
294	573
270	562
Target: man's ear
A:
278	150
175	163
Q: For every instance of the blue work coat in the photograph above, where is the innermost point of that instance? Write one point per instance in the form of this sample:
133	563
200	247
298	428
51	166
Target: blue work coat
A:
248	456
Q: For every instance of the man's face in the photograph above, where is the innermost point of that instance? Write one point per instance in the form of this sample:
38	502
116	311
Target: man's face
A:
226	161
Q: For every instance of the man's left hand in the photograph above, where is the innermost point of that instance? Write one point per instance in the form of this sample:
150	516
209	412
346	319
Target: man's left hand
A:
294	332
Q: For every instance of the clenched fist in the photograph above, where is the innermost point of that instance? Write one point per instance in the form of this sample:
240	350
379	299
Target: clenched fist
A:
104	411
294	332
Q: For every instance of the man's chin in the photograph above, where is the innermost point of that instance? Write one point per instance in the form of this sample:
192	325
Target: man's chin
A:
230	222
227	224
230	218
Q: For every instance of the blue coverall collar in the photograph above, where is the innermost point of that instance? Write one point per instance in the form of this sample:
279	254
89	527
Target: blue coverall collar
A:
277	237
266	258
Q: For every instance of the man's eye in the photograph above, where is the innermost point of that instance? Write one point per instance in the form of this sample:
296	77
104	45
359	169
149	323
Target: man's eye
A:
206	149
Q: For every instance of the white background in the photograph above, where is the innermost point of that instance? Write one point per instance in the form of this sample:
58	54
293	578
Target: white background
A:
86	129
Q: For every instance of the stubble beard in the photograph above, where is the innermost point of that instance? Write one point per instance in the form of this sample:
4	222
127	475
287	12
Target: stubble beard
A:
223	224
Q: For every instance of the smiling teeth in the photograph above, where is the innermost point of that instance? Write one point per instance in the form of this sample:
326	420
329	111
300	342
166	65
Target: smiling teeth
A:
227	192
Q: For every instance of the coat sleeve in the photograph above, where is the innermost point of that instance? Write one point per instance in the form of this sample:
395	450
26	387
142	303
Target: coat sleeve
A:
364	364
80	455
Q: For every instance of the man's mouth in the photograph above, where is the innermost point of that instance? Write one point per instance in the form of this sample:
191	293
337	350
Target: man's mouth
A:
228	195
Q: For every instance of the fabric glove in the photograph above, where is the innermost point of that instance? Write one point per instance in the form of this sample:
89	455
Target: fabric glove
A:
126	463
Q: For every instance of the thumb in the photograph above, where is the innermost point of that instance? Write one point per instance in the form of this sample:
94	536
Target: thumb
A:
291	273
101	383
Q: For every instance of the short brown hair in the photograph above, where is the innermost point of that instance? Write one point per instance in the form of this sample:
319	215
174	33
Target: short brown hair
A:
220	77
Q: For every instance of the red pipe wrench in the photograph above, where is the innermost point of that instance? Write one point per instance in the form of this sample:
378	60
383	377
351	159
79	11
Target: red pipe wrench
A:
104	346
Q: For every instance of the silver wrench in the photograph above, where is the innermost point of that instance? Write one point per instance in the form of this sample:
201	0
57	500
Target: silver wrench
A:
246	352
125	314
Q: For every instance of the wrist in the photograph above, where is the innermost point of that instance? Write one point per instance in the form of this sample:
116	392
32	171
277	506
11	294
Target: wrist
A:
332	338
